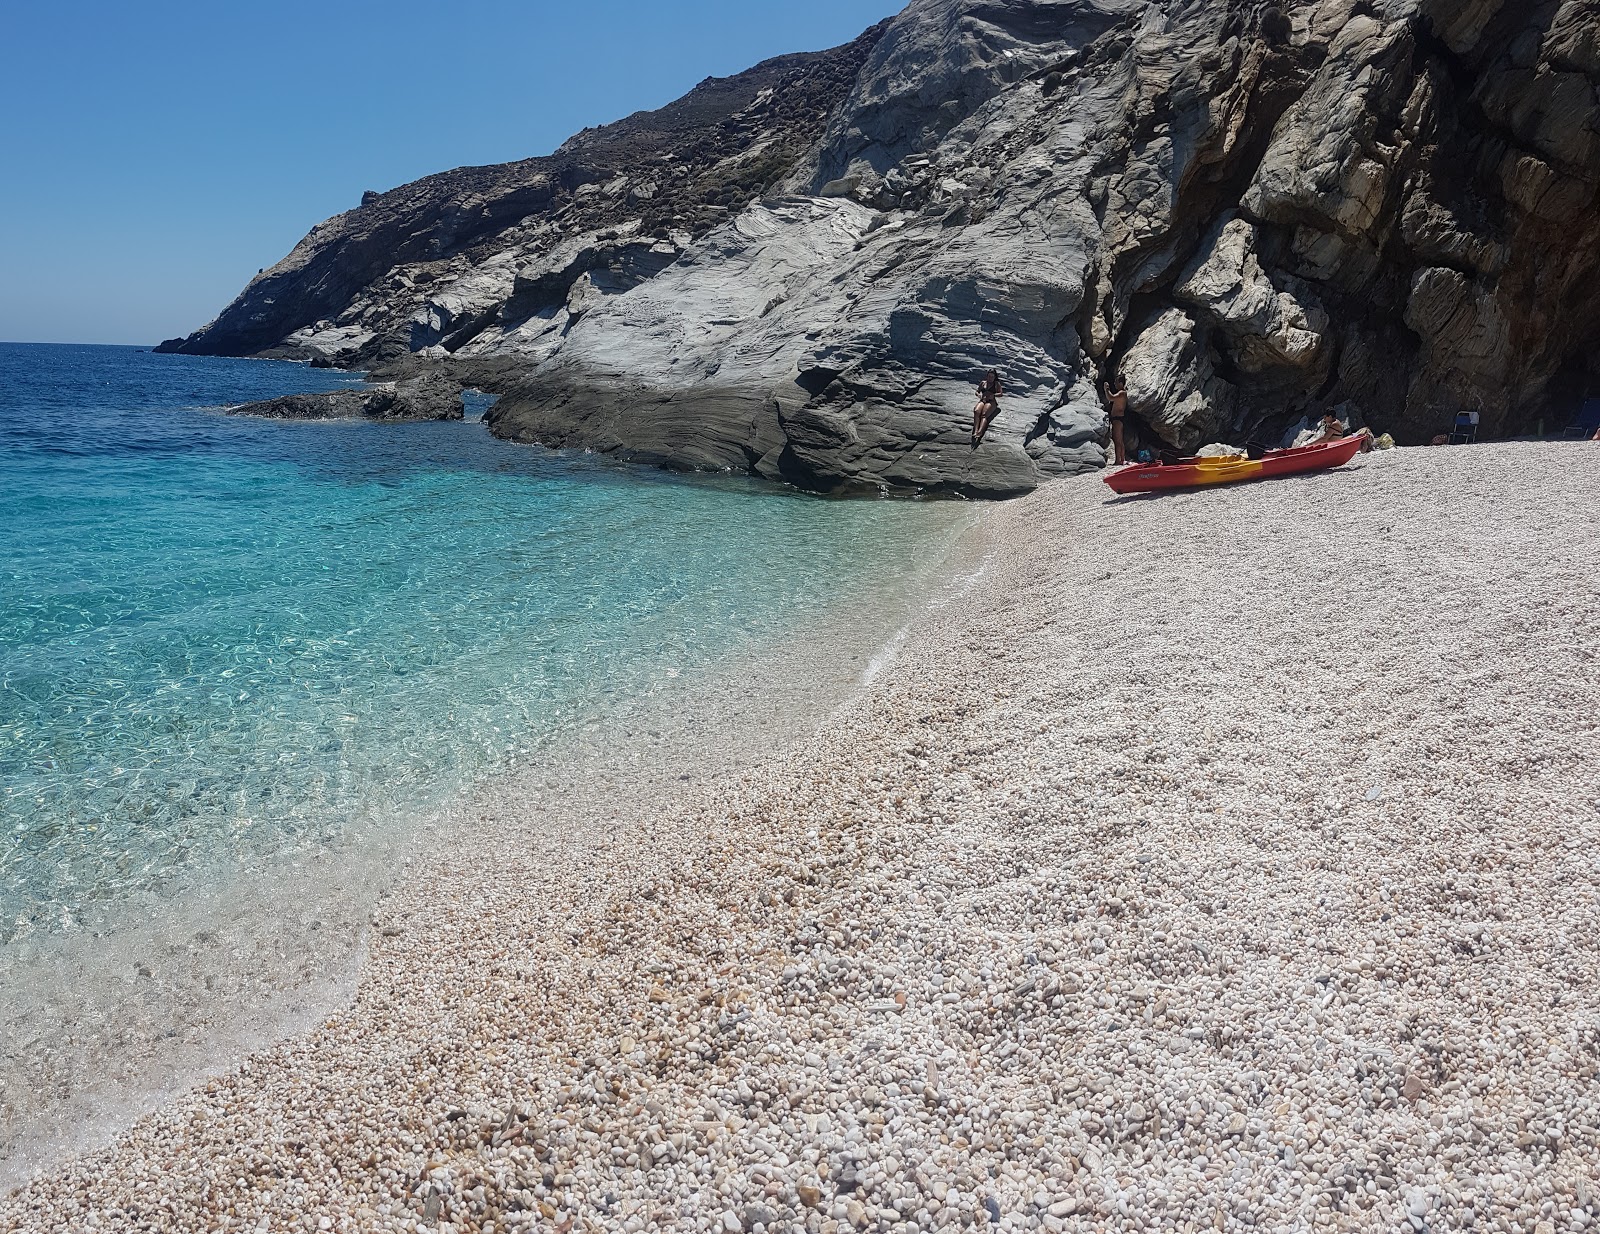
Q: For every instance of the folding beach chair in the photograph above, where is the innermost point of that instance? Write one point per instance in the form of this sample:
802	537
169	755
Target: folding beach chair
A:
1588	421
1466	429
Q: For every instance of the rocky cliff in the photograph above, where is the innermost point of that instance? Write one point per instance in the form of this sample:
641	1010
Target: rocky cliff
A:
1257	212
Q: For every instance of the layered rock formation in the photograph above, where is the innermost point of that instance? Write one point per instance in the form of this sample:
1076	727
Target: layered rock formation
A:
1257	212
426	397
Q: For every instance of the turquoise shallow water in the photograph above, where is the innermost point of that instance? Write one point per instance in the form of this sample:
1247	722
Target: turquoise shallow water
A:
228	643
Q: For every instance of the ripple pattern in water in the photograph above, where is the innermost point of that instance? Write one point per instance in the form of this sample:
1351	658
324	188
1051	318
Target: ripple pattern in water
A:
225	642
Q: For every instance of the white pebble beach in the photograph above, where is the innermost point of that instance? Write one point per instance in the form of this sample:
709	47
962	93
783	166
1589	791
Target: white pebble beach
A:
1219	861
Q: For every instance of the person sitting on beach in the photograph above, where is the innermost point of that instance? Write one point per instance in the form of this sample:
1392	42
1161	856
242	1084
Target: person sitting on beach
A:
989	392
1117	398
1332	428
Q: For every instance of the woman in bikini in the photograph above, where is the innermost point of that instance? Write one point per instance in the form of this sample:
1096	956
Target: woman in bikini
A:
1117	397
989	392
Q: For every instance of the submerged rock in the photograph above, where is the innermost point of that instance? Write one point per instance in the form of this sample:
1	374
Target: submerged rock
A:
1258	213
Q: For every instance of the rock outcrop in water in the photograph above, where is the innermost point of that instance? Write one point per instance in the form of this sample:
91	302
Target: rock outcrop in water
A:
1257	212
429	396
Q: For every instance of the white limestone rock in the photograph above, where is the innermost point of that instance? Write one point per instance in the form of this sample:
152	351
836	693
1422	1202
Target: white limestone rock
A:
1172	384
1266	327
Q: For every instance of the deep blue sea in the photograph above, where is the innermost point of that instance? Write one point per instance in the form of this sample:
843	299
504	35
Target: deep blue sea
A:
228	642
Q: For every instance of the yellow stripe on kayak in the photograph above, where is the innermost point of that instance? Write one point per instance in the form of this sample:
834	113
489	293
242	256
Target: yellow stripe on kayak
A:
1225	472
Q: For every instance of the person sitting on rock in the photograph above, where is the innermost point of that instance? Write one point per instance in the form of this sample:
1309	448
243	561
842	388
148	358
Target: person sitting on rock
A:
989	392
1117	397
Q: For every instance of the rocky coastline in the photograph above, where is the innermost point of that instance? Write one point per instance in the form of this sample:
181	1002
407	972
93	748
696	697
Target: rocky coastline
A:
1245	887
1259	213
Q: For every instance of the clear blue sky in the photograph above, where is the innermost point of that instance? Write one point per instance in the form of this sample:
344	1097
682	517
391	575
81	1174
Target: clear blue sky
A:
154	155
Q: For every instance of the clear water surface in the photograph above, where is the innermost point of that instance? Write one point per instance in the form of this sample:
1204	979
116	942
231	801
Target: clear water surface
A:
227	643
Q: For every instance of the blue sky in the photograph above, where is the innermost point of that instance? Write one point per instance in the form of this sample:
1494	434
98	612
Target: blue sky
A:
156	154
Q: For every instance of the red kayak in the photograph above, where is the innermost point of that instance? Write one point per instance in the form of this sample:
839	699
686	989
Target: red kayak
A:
1200	472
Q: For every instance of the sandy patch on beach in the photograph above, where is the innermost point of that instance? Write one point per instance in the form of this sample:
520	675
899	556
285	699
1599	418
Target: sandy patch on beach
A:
1218	861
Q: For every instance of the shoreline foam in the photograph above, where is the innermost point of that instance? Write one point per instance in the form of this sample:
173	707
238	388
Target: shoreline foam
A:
1217	861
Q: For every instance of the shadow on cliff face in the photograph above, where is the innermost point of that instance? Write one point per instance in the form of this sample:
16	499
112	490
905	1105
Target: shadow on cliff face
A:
1258	213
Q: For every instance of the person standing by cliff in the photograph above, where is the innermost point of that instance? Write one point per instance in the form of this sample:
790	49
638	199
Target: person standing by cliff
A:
1117	399
989	392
